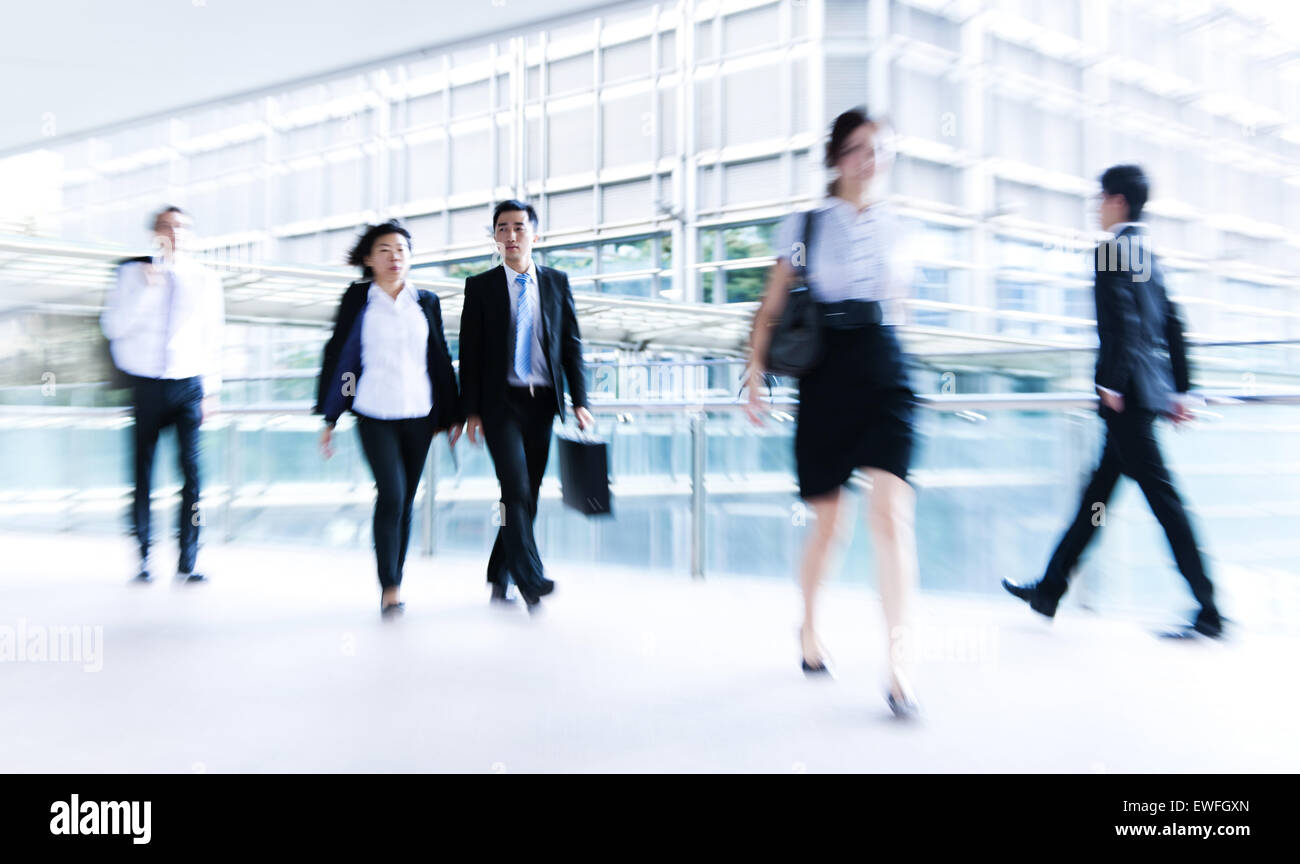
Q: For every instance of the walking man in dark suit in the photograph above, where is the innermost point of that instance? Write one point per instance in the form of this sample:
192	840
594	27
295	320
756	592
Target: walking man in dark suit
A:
518	330
1141	374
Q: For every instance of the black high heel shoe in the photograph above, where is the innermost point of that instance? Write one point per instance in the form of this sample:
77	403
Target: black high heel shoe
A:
392	610
817	670
904	706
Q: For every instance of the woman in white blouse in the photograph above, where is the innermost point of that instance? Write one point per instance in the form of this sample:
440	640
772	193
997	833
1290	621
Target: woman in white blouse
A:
387	361
856	406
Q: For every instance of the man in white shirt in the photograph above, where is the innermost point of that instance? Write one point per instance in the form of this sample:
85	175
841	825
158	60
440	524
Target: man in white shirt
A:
164	319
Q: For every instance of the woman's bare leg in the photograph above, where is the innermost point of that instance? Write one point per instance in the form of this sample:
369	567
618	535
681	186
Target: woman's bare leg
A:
892	517
821	542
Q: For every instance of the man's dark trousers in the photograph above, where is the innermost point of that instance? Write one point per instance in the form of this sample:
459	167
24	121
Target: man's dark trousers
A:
1131	449
159	403
519	440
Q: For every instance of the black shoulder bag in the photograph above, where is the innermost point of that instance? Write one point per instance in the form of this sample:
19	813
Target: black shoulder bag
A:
796	344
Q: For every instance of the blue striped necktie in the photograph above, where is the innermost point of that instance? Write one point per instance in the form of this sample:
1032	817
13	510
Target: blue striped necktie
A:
523	330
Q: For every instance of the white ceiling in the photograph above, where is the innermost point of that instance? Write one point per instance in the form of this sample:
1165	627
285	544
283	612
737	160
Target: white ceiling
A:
75	66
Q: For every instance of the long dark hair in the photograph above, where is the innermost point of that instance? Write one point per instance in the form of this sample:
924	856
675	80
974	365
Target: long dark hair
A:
844	126
357	254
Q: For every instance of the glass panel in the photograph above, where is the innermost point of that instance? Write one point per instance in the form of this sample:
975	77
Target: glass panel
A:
708	279
639	287
626	255
745	285
574	260
750	241
467	268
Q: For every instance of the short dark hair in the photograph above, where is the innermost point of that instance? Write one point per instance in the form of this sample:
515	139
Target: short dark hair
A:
1129	181
170	208
513	204
357	254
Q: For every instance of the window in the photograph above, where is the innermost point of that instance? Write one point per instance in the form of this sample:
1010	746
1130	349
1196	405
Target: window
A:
566	210
931	284
758	180
749	113
471	99
626	255
427	169
929	105
569	141
708	243
469	267
638	287
628	60
626	130
471	161
753	28
745	285
921	178
570	75
708	280
574	260
749	241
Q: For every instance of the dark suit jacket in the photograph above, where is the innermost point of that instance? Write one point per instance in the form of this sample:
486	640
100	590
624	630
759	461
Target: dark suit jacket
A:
343	355
1142	354
485	349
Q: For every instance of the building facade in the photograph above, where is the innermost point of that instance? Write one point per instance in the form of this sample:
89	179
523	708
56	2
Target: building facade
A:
663	141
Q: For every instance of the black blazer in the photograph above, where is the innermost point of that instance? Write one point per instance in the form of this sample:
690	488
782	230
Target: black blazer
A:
1142	353
485	349
343	355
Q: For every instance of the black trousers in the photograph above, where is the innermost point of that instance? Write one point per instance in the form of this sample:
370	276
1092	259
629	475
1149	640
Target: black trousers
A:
396	450
519	440
158	403
1131	449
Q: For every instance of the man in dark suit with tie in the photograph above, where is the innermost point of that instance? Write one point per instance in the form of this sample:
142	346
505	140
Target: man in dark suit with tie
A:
1141	374
518	332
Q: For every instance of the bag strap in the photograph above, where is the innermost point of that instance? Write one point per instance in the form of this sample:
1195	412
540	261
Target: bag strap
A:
809	224
768	378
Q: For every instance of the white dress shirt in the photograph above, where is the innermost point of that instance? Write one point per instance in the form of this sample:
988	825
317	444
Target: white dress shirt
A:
394	382
166	321
541	370
856	255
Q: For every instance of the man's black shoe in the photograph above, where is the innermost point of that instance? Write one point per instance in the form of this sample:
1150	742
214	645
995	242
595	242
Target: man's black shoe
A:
1034	596
1204	627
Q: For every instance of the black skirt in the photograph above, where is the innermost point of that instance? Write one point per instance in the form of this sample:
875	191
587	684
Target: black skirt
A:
856	409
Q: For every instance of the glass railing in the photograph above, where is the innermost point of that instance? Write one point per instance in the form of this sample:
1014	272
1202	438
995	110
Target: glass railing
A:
699	489
1255	366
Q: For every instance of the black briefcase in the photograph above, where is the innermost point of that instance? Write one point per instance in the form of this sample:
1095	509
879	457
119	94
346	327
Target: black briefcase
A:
584	473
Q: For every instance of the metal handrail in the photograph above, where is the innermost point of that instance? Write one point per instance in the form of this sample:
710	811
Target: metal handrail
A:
695	409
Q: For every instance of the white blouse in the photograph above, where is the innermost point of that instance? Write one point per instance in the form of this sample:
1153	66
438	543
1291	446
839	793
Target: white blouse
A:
855	255
394	383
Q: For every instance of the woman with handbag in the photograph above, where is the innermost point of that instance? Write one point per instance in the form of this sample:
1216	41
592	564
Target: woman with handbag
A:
856	407
387	361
